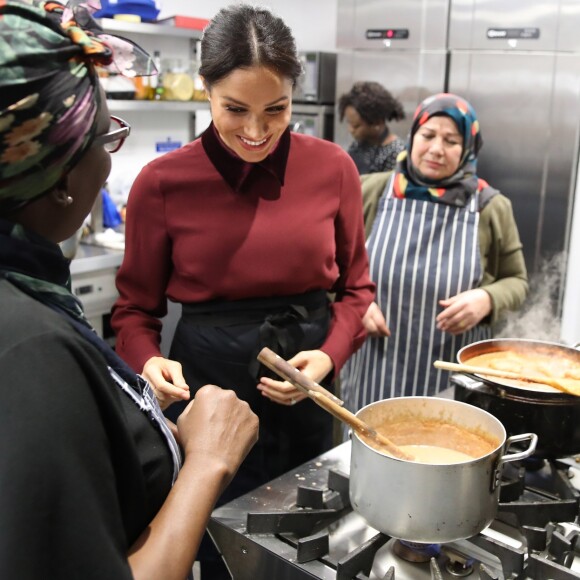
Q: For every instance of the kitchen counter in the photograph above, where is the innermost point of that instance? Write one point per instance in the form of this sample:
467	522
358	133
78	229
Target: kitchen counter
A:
93	272
91	258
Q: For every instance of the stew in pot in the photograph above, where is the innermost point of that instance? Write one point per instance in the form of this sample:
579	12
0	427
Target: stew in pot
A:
435	442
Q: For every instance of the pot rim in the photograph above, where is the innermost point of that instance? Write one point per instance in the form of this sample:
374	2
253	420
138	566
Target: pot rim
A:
451	403
531	341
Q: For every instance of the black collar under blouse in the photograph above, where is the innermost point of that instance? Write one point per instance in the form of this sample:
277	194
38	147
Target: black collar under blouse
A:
237	172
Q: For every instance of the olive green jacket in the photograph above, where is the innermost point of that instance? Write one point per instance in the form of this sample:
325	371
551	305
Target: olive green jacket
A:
505	277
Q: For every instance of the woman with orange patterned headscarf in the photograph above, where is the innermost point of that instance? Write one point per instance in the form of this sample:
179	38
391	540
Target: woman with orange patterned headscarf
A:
93	483
445	254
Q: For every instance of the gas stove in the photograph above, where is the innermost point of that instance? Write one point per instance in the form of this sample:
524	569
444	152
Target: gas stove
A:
301	526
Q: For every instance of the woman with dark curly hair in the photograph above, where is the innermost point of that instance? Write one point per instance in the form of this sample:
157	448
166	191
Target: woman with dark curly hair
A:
367	108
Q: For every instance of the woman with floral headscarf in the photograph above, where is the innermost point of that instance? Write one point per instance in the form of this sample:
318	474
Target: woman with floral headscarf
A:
93	484
445	254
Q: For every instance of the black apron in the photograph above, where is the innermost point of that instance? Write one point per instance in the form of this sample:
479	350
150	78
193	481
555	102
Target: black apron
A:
218	342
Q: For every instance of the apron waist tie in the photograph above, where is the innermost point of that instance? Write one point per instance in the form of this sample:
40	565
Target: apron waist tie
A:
279	320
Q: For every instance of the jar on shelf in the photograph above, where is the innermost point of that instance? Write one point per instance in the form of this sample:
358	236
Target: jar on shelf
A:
177	81
199	93
155	82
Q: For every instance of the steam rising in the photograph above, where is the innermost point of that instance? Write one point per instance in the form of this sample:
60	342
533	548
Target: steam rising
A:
538	319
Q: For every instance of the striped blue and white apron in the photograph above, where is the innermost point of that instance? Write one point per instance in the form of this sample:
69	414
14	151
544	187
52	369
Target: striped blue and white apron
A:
420	252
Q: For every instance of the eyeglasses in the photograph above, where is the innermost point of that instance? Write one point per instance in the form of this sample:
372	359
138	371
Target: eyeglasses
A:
114	139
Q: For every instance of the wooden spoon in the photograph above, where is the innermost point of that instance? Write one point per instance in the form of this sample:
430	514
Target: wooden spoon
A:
570	386
291	374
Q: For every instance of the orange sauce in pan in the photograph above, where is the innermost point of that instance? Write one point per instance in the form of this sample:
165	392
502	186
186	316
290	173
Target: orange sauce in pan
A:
528	363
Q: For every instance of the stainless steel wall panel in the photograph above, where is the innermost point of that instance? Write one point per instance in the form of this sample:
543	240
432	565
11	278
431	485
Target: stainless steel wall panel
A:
571	304
563	149
569	26
426	21
472	23
410	76
345	11
527	104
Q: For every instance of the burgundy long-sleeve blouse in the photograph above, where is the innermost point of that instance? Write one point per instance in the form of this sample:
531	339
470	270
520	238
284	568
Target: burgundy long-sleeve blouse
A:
203	225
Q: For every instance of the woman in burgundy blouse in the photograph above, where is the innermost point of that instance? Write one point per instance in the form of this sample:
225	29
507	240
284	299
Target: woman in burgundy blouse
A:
248	227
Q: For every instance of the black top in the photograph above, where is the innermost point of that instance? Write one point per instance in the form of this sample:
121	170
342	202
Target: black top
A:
375	158
82	470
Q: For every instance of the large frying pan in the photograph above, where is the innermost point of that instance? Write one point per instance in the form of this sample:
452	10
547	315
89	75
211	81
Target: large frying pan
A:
531	348
521	407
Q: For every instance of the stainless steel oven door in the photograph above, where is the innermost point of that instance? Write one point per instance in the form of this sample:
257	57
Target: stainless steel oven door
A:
314	120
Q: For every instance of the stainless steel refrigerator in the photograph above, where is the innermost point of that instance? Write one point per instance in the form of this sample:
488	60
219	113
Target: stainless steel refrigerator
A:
401	44
518	63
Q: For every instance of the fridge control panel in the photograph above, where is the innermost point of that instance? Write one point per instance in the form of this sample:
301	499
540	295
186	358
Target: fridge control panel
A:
388	34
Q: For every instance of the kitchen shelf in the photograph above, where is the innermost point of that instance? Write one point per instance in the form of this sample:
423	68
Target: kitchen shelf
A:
112	25
150	106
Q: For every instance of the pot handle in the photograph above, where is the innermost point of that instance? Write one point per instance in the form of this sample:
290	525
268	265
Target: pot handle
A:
466	382
514	456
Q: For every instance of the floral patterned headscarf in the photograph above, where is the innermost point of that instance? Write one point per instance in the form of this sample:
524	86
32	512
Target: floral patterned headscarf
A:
457	188
49	94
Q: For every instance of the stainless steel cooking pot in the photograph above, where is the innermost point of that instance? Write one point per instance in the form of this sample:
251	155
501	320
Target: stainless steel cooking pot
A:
553	415
427	503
